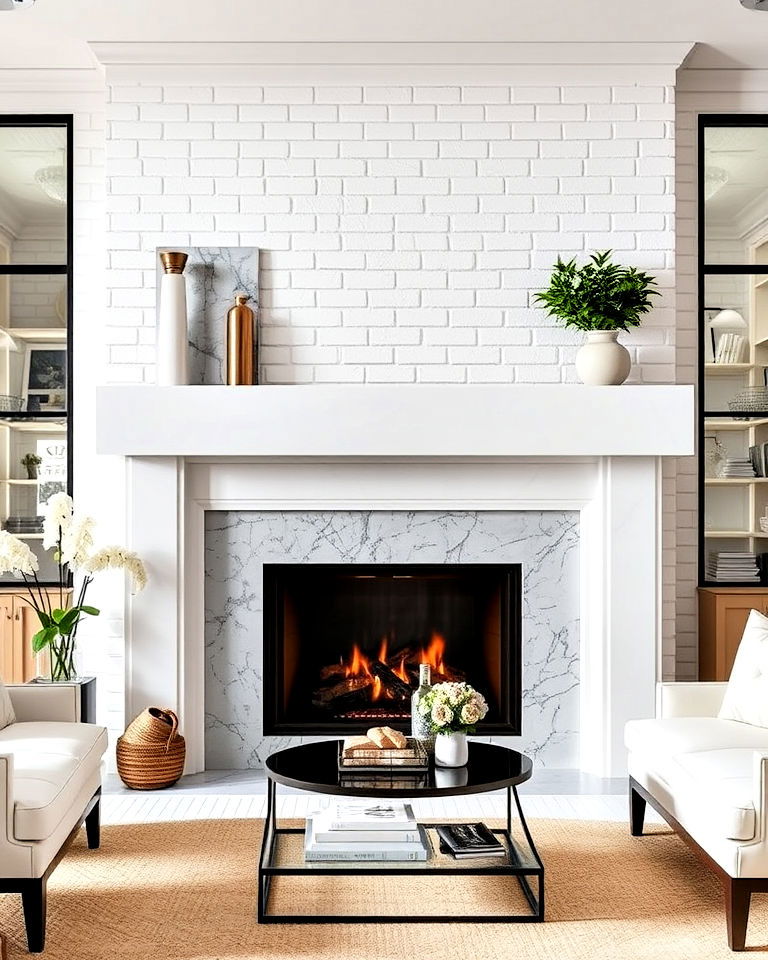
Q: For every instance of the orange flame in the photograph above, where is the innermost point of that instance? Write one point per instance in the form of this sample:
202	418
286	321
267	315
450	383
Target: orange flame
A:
377	688
401	672
359	666
434	653
383	650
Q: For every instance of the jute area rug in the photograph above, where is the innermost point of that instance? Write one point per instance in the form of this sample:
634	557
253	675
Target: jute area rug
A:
186	891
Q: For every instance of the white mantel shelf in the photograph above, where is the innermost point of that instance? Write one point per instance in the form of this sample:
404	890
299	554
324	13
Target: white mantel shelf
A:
396	421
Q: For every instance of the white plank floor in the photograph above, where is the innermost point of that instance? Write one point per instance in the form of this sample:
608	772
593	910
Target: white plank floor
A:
165	806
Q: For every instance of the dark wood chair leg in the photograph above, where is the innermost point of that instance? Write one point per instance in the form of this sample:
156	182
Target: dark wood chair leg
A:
34	898
93	827
636	812
737	898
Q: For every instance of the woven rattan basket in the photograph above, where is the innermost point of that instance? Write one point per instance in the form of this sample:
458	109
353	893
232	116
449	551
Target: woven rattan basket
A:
151	752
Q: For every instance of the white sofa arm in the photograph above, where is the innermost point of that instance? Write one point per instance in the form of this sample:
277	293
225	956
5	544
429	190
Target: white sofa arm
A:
694	699
45	701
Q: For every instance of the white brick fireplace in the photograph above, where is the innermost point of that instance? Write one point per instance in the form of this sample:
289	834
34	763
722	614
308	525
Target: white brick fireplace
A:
501	448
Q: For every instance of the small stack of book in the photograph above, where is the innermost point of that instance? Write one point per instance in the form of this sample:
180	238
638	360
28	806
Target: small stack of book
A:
731	348
733	565
466	841
365	830
737	467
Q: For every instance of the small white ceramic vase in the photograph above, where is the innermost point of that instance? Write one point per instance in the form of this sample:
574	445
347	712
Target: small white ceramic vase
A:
451	749
172	322
602	361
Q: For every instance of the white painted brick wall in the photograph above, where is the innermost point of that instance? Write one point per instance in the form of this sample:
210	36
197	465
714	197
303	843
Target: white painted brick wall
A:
403	229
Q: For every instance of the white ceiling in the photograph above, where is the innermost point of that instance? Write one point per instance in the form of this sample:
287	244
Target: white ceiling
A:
23	150
742	153
54	32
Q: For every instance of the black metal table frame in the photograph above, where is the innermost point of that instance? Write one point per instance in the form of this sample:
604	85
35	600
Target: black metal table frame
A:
267	870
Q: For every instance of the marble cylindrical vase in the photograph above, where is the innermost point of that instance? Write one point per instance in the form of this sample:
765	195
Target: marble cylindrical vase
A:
172	321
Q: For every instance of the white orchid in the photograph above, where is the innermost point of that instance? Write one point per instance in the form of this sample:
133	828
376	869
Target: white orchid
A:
118	558
77	541
71	536
15	556
57	519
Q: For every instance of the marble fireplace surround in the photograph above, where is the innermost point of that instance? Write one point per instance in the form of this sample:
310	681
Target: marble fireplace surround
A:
595	450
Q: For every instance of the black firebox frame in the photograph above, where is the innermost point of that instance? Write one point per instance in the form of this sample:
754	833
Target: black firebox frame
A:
274	720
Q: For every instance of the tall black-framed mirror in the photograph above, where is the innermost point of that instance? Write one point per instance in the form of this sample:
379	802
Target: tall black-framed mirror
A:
36	240
733	349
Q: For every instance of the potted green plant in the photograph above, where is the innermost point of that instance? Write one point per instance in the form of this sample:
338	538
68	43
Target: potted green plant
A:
601	298
31	461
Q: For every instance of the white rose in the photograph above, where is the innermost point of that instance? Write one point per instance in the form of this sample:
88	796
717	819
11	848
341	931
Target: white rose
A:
470	714
441	715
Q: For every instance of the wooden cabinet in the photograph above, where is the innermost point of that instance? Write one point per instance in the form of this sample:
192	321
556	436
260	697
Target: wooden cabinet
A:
18	624
723	611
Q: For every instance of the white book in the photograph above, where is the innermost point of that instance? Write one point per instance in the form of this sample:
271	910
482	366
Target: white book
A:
321	835
368	815
382	851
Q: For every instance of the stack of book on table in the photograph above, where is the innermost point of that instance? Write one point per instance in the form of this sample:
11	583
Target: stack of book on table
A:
733	565
468	841
380	830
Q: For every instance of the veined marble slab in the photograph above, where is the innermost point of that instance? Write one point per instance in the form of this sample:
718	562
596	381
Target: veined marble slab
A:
237	544
214	275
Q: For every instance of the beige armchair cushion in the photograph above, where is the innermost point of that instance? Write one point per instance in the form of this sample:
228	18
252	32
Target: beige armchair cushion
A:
7	715
746	696
52	763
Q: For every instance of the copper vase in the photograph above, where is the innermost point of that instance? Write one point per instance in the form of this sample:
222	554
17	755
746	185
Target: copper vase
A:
240	337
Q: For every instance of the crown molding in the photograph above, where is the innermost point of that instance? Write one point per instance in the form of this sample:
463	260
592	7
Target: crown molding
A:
396	62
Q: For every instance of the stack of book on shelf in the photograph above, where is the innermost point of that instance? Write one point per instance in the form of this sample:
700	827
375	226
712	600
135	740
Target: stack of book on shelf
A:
731	348
733	565
737	467
374	830
758	456
468	841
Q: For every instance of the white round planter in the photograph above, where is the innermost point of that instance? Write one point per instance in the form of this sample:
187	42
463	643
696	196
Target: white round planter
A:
451	749
602	361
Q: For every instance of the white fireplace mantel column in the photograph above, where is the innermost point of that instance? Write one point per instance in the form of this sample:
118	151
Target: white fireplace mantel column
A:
596	450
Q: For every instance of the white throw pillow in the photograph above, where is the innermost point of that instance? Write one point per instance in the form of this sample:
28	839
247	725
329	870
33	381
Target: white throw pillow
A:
746	696
7	716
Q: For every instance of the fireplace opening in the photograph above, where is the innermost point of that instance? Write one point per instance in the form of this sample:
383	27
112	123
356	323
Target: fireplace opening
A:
343	642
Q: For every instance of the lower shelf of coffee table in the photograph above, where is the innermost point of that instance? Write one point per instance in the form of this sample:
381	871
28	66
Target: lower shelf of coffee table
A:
512	886
288	857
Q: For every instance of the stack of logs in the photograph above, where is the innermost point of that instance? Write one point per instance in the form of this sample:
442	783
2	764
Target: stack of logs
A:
390	680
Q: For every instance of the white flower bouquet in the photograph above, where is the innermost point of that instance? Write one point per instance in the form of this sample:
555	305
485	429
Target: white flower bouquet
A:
70	536
453	708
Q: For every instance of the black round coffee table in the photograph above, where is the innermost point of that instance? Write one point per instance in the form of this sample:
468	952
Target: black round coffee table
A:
313	767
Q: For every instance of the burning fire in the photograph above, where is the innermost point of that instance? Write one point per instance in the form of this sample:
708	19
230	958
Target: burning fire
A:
434	653
359	665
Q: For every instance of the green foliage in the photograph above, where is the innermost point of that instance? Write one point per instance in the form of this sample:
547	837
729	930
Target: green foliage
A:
601	295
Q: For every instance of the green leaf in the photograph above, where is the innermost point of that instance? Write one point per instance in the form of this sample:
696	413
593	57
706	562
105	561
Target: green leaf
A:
58	615
92	611
68	621
43	638
42	616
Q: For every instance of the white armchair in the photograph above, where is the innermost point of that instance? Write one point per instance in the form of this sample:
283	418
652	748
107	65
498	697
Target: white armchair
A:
708	778
50	783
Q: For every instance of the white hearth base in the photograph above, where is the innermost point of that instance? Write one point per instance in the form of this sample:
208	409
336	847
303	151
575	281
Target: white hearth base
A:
619	499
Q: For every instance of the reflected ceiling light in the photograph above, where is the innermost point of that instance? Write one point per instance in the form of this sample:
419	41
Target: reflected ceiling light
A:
52	180
715	178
